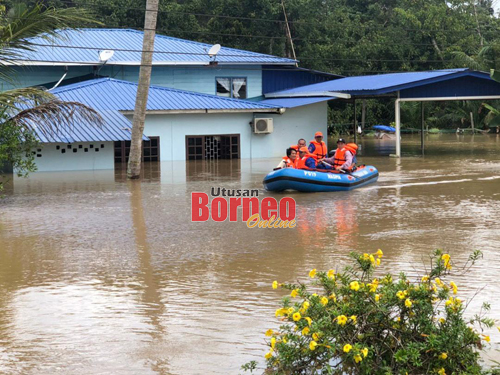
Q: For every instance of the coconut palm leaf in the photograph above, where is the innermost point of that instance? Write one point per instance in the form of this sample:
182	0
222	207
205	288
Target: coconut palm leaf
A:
470	62
21	24
50	116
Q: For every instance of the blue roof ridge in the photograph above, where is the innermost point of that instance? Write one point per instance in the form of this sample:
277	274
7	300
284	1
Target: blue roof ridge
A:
98	81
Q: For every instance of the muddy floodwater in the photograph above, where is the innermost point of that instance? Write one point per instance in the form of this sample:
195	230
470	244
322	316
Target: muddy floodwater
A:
100	275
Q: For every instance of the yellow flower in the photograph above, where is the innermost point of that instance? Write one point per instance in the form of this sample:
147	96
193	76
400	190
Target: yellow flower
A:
358	358
331	274
309	320
364	351
269	332
353	318
379	253
443	355
275	284
366	256
347	348
408	303
273	342
442	320
341	320
315	336
285	340
377	297
305	331
442	371
498	328
378	262
333	296
446	260
372	259
324	301
439	282
425	279
354	285
486	338
313	345
290	310
296	316
305	305
294	293
312	273
400	294
268	355
454	287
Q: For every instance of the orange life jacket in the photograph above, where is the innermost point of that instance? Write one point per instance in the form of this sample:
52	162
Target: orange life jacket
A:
289	162
320	150
301	163
339	157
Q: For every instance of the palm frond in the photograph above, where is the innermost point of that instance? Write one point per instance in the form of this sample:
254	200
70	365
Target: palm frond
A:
23	98
462	59
51	116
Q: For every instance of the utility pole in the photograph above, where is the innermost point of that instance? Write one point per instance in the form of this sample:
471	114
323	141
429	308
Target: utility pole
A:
288	33
148	43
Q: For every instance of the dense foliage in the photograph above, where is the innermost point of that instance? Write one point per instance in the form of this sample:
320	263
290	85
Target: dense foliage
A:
350	322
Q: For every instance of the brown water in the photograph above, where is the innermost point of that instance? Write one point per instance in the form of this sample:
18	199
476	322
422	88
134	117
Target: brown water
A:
100	275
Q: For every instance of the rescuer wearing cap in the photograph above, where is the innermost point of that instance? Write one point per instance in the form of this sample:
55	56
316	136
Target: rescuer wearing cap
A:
317	147
341	160
305	160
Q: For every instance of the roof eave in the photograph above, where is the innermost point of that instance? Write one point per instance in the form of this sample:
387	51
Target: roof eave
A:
206	110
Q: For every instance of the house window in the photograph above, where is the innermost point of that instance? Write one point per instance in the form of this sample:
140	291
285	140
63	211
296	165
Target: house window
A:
202	147
232	87
150	150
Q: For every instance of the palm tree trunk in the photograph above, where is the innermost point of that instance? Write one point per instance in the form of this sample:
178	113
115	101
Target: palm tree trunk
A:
134	161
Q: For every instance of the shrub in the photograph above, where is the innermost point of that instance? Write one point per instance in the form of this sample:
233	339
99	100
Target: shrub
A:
354	323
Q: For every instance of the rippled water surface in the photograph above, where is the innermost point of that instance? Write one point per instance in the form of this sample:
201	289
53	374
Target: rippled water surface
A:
100	275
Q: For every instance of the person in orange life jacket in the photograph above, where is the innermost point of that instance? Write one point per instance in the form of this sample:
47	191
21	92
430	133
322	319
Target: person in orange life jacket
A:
300	143
341	160
317	147
306	160
289	160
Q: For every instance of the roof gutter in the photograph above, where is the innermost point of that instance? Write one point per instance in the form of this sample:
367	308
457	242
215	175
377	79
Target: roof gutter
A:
207	111
333	94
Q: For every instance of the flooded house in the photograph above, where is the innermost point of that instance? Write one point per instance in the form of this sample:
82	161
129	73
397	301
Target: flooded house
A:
202	105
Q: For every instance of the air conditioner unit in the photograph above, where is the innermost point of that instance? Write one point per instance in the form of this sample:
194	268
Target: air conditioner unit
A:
263	125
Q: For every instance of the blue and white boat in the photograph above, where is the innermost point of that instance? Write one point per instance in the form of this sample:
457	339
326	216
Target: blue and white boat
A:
318	181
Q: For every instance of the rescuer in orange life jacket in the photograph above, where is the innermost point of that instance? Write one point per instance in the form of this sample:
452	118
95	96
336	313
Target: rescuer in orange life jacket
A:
343	159
289	160
317	147
300	143
306	160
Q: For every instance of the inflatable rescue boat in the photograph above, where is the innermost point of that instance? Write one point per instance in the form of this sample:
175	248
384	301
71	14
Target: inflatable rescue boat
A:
317	181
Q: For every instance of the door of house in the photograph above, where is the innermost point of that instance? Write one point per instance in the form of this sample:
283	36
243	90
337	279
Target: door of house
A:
150	150
201	147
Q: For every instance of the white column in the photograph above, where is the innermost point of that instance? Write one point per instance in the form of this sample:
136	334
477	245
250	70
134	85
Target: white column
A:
398	127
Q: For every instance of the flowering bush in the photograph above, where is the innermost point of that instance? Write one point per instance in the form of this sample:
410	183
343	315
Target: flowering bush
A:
354	323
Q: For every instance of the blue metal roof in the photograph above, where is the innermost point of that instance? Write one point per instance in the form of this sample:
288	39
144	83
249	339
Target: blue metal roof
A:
379	84
115	127
295	102
108	93
83	46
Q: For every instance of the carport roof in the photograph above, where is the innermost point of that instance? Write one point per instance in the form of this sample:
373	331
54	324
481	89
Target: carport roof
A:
381	84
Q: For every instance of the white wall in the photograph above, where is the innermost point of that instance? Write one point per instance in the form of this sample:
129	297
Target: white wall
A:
295	123
54	160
